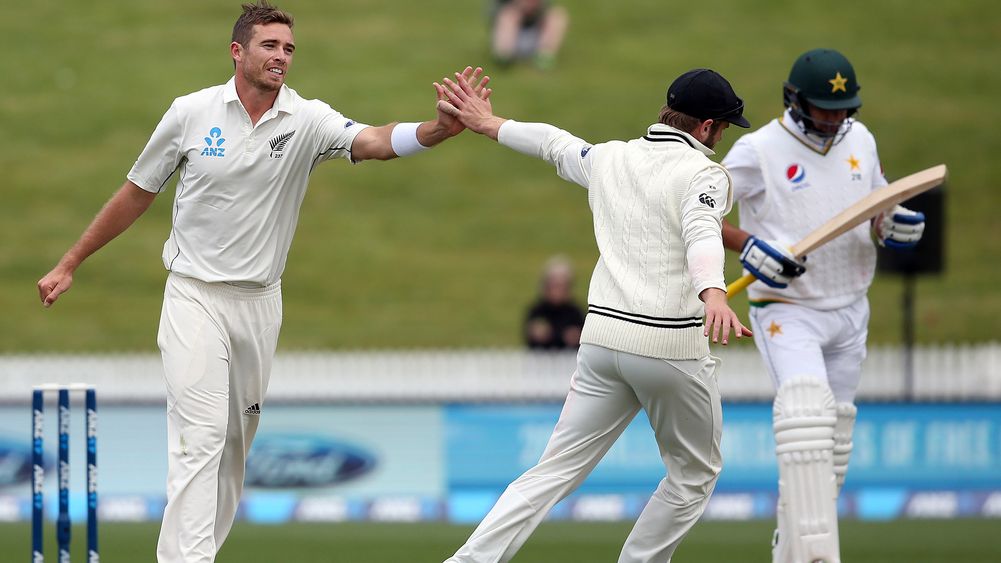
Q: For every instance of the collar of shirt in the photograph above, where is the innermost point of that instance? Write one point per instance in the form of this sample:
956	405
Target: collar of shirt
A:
796	130
283	103
660	133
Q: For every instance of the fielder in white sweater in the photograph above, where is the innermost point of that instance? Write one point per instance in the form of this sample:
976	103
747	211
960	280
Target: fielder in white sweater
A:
658	204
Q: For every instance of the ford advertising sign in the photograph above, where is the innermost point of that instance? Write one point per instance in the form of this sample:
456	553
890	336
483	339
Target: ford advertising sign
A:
294	461
15	463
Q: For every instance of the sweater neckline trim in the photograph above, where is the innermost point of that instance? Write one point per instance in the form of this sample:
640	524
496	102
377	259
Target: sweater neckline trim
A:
659	133
667	137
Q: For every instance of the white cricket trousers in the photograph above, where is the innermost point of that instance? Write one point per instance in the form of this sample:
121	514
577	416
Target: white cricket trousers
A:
217	342
830	345
681	399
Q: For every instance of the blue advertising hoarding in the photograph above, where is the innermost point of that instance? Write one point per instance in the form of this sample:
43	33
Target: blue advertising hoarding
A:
923	446
433	462
308	462
939	460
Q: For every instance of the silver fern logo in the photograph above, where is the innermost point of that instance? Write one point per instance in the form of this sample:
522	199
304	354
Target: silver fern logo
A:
279	143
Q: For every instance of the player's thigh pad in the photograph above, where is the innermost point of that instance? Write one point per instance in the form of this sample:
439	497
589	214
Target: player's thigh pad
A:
804	417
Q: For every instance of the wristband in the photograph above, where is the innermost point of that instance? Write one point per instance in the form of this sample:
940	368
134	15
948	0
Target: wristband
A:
404	139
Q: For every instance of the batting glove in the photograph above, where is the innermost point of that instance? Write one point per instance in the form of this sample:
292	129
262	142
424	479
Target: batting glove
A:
771	262
900	228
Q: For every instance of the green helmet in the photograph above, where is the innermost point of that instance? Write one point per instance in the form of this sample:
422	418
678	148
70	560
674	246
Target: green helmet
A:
825	79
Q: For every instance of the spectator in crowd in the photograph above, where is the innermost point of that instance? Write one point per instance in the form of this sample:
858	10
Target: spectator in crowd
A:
554	321
528	29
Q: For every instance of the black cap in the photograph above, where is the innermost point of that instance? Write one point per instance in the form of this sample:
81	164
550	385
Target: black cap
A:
705	94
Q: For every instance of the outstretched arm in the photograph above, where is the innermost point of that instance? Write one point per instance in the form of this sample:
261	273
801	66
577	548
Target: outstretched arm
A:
403	139
128	203
540	140
376	143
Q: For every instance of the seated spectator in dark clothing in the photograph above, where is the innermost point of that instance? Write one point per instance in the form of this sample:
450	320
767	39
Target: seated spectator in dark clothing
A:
528	29
554	321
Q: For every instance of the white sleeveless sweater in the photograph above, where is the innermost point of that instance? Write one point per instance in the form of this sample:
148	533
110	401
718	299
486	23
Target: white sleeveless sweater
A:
641	299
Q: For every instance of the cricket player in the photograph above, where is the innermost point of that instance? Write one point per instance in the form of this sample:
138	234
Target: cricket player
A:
243	152
658	203
789	177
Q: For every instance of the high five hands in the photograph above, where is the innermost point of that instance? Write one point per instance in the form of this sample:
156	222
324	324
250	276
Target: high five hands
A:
469	102
478	87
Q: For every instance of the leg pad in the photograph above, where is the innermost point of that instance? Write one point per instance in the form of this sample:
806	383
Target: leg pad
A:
804	419
843	429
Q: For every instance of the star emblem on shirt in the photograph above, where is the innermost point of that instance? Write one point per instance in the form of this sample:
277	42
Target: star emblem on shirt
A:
773	329
838	83
853	162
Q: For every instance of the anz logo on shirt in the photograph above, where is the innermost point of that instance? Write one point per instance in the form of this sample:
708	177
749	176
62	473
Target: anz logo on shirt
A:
214	142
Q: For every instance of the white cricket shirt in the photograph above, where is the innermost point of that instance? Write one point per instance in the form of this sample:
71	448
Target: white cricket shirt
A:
240	185
787	188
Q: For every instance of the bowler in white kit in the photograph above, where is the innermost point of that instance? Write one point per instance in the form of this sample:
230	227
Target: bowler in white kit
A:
243	152
810	318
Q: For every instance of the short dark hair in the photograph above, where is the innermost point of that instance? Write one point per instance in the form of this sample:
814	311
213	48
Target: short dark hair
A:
260	13
678	120
683	121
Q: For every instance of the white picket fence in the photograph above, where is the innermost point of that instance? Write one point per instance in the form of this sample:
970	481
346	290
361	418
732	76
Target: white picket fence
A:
941	373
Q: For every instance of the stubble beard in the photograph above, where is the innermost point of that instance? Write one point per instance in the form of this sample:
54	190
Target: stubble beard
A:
261	82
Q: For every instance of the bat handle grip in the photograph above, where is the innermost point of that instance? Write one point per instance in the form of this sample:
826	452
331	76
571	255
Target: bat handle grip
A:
739	285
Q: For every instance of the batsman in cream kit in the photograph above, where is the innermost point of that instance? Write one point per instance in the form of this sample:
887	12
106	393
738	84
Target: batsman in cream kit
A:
243	152
810	317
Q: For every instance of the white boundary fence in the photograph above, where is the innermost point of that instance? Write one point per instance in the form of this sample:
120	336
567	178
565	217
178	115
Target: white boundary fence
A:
941	373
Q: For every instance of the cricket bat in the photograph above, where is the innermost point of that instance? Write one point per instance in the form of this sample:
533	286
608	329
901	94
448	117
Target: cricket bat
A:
880	200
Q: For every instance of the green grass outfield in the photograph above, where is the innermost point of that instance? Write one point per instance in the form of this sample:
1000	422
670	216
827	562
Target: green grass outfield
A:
443	249
914	541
